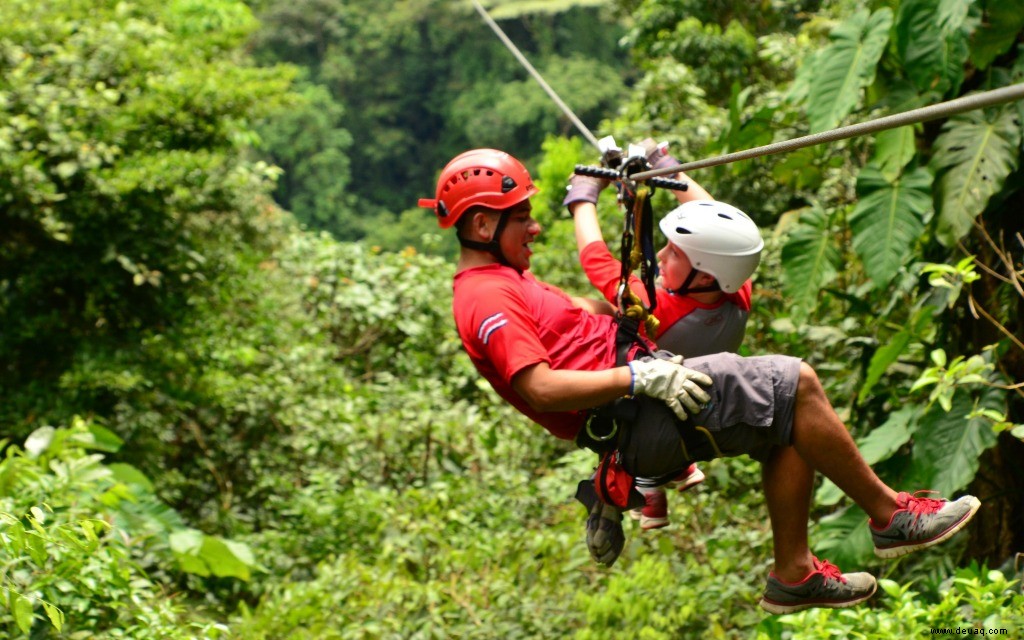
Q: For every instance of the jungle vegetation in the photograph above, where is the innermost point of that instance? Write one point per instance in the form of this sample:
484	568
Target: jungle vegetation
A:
232	400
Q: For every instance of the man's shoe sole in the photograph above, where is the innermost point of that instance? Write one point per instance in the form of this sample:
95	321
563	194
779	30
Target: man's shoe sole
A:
902	550
778	608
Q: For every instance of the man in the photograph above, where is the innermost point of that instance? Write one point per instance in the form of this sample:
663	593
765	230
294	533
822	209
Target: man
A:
553	357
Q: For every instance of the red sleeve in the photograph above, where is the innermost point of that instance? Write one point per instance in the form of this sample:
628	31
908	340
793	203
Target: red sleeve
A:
501	330
604	271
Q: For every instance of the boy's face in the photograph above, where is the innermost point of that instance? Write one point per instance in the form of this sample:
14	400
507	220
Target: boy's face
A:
674	266
520	230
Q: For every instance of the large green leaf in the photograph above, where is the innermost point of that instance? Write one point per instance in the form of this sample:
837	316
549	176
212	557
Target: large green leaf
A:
893	348
846	66
894	149
973	156
810	258
948	445
845	538
888	220
932	42
1003	20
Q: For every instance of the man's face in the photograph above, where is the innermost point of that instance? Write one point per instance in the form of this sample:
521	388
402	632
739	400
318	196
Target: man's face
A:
520	230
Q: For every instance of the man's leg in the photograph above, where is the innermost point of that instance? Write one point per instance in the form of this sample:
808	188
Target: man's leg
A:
822	441
900	522
800	580
788	483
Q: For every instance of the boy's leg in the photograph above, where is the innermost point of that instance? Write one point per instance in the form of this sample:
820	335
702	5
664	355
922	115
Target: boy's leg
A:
654	514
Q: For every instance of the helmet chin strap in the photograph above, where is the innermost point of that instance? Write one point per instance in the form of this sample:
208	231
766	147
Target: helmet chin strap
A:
685	288
493	246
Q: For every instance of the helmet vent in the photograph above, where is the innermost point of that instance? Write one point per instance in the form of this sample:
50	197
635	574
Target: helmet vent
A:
682	230
507	184
722	215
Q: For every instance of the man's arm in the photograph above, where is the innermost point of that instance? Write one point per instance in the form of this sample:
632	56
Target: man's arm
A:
547	389
598	307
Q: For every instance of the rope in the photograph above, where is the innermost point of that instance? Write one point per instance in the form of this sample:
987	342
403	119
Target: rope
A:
536	76
923	114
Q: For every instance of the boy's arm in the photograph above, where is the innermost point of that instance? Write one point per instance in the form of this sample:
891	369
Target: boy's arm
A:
659	158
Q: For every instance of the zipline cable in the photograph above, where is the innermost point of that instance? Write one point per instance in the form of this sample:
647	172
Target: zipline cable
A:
536	76
923	114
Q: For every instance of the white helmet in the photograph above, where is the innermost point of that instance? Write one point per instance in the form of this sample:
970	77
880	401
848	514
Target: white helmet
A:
718	239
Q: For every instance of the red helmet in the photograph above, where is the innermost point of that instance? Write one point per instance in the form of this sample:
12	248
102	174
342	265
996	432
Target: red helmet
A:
484	177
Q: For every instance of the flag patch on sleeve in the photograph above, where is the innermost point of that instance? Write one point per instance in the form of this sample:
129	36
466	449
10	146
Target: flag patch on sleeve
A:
490	325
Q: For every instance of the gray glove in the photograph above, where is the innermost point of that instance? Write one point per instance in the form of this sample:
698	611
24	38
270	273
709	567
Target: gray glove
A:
605	538
657	154
672	383
583	189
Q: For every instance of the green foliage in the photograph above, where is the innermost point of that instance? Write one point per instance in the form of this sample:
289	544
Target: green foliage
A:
74	535
973	603
931	41
840	72
418	83
810	258
888	220
1000	24
312	150
973	157
121	133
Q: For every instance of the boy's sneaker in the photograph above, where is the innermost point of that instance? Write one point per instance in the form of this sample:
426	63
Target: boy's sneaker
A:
689	478
826	586
920	522
654	514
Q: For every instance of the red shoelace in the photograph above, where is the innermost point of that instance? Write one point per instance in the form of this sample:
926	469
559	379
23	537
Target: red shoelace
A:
829	570
919	504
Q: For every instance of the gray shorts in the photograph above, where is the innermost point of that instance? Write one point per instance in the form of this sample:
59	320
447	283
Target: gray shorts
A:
751	412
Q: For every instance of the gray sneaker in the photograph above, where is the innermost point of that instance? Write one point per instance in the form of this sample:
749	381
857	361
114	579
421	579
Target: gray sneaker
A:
826	586
920	522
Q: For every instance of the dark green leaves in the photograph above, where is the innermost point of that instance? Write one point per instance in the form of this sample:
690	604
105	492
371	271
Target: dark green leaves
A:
888	220
931	39
810	258
972	158
948	444
846	66
1001	22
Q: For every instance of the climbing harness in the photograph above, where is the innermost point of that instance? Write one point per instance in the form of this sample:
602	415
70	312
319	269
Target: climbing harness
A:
637	246
636	252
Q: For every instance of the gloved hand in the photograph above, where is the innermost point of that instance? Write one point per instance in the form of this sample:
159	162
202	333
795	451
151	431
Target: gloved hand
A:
605	538
583	189
657	156
671	382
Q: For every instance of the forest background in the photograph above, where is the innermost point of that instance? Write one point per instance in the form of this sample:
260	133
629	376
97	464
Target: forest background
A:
233	401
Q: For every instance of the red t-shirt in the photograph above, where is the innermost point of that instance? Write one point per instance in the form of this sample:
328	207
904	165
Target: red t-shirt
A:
509	320
603	271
